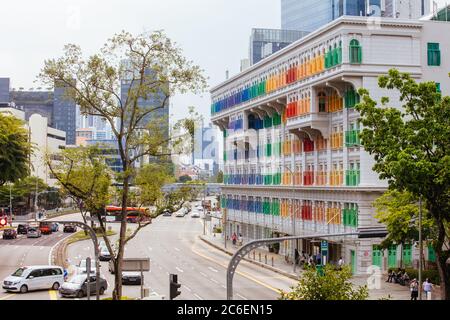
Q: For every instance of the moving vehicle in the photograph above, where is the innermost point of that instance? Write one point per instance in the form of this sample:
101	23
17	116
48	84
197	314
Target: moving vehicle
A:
45	227
136	217
23	228
9	234
131	278
112	213
82	267
77	286
167	213
69	228
31	278
104	254
34	232
55	227
195	214
181	213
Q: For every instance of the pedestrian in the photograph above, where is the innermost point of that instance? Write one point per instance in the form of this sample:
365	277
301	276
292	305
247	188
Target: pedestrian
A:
391	275
296	259
427	288
318	259
414	289
240	239
234	238
340	263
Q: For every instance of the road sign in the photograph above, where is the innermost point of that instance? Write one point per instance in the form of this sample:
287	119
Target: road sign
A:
136	264
3	221
324	248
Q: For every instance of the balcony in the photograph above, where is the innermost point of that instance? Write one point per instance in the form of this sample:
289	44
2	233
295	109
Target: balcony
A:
317	121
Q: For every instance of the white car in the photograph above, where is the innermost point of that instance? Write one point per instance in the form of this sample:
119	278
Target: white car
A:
181	213
30	278
82	267
195	214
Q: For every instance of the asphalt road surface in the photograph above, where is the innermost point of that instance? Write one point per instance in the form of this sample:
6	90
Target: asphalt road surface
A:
173	246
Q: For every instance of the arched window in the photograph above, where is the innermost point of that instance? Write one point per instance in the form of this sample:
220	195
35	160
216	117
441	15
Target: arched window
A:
322	101
355	52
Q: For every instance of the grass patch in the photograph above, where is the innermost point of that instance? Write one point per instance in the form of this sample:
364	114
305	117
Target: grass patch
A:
80	236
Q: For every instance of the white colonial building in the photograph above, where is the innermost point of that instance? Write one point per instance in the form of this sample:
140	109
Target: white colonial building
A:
293	163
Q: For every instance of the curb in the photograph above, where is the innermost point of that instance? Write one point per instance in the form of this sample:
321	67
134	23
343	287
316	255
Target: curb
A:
286	274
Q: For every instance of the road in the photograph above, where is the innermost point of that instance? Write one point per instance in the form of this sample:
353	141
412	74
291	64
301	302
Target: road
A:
24	251
173	246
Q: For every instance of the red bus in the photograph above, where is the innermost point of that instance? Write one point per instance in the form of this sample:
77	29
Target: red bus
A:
134	214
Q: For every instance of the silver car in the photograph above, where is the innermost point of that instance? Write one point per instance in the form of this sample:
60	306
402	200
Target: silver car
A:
33	233
77	286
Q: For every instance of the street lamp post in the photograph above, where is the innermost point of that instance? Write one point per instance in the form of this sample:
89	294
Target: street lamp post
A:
420	247
10	204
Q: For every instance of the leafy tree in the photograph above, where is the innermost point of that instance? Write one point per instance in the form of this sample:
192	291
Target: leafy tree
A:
23	191
331	284
153	70
84	176
185	178
399	211
220	177
411	147
14	149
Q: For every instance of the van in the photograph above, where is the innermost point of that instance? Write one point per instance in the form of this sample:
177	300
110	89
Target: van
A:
31	278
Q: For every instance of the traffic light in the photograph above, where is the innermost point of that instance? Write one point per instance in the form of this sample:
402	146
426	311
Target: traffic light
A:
174	286
3	221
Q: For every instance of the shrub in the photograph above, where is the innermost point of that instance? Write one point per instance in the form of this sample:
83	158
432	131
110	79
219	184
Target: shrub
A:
431	274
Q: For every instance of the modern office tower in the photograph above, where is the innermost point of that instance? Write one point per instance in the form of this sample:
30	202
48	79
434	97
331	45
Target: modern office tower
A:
309	15
53	105
4	90
293	162
206	153
264	42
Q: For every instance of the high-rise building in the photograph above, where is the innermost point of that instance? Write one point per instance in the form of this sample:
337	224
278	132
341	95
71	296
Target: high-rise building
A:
53	105
309	15
293	161
206	153
4	90
264	42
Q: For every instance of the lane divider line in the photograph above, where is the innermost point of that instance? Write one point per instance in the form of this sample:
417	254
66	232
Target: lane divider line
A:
8	296
53	294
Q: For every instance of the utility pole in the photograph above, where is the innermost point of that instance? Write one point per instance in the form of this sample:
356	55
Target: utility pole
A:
10	205
36	198
420	247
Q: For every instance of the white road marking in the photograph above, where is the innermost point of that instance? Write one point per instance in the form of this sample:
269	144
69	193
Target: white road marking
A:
16	247
214	280
150	249
176	249
41	248
187	288
212	269
223	286
179	270
198	297
60	235
241	296
203	274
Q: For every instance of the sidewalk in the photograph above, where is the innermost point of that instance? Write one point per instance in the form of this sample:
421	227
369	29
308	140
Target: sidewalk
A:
395	291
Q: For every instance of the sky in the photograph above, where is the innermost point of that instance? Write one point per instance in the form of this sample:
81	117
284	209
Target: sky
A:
212	33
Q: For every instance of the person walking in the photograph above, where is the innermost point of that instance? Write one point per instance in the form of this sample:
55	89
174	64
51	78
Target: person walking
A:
340	263
427	288
234	238
414	286
296	259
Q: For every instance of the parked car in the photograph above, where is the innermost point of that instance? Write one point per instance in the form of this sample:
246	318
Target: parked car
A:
69	228
55	227
9	234
82	267
34	233
31	278
23	228
131	278
77	286
167	213
181	213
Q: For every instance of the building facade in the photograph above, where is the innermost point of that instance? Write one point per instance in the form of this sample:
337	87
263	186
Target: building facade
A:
45	139
206	148
293	163
309	15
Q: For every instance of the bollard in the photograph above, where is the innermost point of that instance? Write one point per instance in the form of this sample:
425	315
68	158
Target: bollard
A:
265	258
272	261
259	254
253	254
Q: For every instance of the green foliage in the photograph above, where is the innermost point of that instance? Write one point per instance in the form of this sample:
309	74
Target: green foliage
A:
411	148
220	177
22	190
14	149
84	175
331	285
399	211
149	180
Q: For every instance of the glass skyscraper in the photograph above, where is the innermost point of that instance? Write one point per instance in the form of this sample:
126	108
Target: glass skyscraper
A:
309	15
